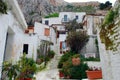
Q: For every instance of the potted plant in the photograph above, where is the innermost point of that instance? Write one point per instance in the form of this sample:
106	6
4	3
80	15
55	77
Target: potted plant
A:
11	70
94	73
27	68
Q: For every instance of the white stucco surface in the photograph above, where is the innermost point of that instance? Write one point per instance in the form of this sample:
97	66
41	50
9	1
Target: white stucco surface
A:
70	16
12	37
40	30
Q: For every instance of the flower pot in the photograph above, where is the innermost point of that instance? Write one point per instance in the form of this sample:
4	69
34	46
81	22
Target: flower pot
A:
76	61
94	74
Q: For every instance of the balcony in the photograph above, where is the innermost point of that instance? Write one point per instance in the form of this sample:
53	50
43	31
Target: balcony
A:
64	20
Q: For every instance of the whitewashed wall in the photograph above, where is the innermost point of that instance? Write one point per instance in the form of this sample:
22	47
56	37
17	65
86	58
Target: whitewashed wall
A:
39	30
56	20
110	60
14	24
70	16
32	42
110	63
8	24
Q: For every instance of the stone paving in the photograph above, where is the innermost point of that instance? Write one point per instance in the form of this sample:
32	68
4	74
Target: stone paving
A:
51	71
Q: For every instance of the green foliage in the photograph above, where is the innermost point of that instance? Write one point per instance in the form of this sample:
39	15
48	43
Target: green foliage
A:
52	15
11	70
27	67
106	5
91	59
109	18
64	58
51	54
75	72
78	72
69	6
3	7
73	25
96	42
79	38
105	31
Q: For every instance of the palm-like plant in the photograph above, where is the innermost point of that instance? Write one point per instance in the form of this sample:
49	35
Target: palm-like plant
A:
11	70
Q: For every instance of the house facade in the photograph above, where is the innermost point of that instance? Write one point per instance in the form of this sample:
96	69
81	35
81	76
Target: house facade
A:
90	22
13	41
64	17
45	33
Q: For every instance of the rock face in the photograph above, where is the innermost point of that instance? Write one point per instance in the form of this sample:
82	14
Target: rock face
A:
34	9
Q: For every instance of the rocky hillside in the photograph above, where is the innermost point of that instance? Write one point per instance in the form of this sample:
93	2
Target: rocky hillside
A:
34	9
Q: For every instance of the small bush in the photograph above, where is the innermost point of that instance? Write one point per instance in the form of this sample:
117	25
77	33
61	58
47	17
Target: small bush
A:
51	54
79	72
64	58
92	59
52	15
74	71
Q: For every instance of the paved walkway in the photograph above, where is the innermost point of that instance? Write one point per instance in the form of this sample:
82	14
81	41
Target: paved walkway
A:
51	71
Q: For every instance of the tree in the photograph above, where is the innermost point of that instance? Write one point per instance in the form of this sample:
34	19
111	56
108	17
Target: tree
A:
77	40
106	5
73	25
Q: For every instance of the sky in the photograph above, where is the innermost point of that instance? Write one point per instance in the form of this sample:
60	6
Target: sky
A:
102	1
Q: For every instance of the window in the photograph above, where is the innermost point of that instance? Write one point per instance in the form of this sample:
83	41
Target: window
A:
46	22
25	48
76	17
47	32
65	17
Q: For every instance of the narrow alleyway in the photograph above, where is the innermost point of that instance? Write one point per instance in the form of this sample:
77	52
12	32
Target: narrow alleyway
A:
51	71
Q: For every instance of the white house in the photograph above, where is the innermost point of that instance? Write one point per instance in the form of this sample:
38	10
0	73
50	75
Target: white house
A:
13	40
64	17
61	35
91	22
45	32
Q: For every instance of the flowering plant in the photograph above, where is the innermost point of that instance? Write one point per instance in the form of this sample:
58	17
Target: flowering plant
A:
94	68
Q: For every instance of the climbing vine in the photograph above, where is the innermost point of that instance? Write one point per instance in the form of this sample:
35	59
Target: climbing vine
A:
108	32
3	7
104	36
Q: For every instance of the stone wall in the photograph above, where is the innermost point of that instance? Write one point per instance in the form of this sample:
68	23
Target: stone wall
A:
110	59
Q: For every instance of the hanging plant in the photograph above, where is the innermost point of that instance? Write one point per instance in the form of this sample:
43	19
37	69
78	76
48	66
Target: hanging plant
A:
3	7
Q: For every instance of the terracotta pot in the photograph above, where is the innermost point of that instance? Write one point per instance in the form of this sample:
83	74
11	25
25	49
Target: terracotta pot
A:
76	61
94	74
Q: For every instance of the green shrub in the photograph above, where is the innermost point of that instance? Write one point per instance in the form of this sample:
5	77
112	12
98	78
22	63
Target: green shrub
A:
27	67
3	7
52	15
92	59
10	69
78	72
109	17
51	54
64	58
74	71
